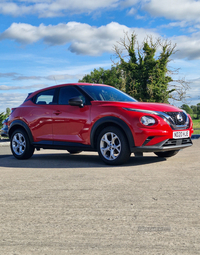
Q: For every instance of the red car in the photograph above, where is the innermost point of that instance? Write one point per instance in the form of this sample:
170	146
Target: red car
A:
95	117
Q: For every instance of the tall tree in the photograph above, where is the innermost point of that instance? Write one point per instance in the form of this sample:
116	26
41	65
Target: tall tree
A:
145	69
198	111
142	72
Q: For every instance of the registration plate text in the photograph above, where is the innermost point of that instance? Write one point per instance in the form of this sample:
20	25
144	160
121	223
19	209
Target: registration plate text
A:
181	134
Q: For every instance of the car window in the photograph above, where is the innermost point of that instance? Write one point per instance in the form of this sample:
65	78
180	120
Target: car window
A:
104	93
67	93
45	97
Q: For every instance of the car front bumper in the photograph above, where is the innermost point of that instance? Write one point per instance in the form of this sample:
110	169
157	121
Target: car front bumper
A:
166	145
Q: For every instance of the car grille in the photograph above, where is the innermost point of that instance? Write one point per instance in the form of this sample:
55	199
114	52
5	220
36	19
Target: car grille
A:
176	142
178	118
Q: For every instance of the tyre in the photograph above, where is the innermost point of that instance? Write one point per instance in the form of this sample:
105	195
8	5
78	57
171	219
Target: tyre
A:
166	154
112	146
71	151
20	145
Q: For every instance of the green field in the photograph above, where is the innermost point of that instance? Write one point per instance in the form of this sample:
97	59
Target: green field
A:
196	126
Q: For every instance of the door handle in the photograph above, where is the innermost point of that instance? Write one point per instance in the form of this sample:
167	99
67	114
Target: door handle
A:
57	112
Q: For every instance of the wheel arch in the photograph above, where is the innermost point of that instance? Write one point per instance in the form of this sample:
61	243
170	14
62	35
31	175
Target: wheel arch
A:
110	121
20	124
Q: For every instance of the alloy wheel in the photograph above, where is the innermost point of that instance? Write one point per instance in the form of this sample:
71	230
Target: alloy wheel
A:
110	146
19	144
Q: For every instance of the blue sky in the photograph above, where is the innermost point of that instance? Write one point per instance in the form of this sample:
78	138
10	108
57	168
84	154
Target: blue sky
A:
48	42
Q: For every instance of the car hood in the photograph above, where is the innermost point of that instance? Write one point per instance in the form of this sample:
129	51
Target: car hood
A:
160	107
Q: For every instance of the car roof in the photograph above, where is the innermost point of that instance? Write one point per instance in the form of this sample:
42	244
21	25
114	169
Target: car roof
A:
63	85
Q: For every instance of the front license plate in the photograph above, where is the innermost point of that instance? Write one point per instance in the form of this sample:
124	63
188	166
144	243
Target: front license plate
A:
181	134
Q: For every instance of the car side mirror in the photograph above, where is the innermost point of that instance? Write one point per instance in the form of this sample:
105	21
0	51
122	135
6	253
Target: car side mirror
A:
76	101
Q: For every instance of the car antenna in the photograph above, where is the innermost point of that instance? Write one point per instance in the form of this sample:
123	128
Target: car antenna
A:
55	80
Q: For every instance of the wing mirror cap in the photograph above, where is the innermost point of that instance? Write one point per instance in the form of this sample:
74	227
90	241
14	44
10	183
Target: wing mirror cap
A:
76	101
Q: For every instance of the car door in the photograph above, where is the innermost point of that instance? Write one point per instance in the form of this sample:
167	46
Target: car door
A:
70	123
40	116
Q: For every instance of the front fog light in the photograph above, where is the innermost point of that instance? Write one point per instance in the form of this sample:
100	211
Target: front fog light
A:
148	121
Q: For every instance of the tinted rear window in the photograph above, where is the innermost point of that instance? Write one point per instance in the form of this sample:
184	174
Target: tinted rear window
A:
45	97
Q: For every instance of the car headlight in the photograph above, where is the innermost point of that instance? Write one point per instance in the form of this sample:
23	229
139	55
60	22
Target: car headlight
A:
147	120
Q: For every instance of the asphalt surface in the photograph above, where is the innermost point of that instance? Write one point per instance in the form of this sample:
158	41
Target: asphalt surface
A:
56	203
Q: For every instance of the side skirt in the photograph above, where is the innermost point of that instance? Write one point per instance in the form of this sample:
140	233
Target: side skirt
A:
59	145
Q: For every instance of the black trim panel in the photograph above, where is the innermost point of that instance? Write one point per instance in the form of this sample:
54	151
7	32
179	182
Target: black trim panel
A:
62	145
22	124
166	145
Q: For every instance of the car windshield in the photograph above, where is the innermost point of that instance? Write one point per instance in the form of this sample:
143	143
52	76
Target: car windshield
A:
104	93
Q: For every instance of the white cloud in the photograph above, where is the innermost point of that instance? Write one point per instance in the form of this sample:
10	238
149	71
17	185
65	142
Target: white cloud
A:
11	100
194	92
52	8
8	75
127	3
53	77
188	46
82	38
181	24
11	8
132	12
187	10
4	87
36	86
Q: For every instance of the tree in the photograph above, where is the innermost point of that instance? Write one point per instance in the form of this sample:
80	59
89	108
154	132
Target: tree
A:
186	108
3	116
194	109
145	72
142	72
198	111
8	111
111	77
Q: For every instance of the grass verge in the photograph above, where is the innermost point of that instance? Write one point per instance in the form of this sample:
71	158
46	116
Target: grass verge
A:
196	126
